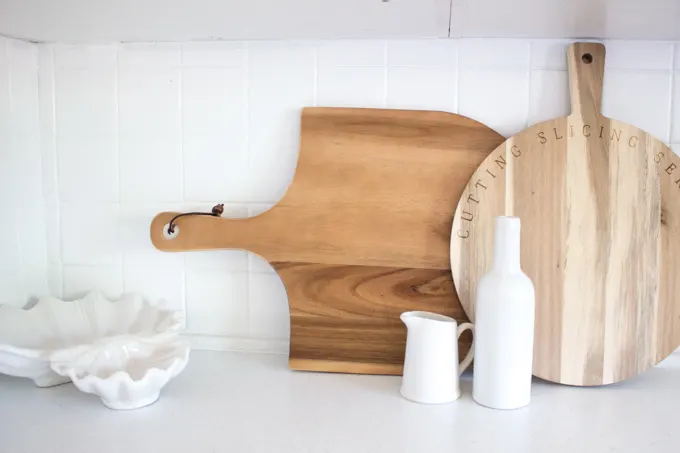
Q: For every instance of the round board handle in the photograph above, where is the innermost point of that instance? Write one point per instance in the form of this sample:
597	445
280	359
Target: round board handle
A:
586	73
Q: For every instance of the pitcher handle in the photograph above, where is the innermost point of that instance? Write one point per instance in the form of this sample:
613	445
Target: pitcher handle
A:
468	358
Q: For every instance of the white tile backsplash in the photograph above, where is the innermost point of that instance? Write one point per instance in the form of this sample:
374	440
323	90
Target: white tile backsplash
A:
282	78
351	53
87	133
80	280
150	134
213	54
217	302
90	233
131	130
149	55
422	52
268	304
638	55
498	98
549	54
549	95
214	134
494	54
159	281
675	112
424	88
23	227
351	86
639	98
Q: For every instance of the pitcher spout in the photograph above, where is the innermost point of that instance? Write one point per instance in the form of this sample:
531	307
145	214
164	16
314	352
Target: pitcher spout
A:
411	318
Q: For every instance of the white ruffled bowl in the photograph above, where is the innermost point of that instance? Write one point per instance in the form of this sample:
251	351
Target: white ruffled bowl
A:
125	372
29	336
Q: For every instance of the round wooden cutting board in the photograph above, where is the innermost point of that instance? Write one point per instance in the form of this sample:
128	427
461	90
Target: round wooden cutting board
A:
599	202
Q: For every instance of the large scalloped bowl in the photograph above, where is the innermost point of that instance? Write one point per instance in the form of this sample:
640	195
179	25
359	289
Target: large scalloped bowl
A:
29	336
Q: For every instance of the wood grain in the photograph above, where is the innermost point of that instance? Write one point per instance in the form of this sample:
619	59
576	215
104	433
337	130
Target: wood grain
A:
590	192
362	234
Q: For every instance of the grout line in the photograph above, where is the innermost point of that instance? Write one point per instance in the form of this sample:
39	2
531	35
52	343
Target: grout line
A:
529	81
118	154
315	90
457	87
385	92
247	144
60	237
180	97
17	236
669	131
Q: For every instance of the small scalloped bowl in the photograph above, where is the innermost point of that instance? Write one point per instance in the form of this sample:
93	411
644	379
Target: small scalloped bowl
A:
125	372
29	336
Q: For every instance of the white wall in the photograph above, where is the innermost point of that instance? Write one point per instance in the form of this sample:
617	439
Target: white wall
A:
131	130
22	219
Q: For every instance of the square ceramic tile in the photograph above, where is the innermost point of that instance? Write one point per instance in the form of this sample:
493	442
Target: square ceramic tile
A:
25	117
47	120
348	86
53	227
80	280
156	282
675	112
549	53
281	83
214	115
640	99
90	233
150	135
26	169
493	54
638	55
32	241
86	56
216	260
87	134
427	88
269	312
217	303
149	55
422	52
214	54
55	279
549	95
498	99
351	53
135	241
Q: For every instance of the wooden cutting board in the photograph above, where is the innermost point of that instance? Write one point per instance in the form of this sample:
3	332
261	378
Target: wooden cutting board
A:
362	233
599	202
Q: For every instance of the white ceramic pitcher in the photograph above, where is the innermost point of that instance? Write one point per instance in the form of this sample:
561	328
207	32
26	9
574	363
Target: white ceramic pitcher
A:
431	369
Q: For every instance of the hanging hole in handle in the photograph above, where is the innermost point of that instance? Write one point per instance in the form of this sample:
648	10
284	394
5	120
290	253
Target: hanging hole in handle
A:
587	58
167	234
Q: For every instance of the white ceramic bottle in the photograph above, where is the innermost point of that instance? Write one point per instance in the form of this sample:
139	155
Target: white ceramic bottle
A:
504	325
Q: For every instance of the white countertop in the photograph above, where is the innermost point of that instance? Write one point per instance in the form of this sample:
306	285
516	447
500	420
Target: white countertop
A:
233	402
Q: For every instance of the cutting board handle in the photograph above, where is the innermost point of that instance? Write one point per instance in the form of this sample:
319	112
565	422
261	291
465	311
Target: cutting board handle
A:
586	73
205	233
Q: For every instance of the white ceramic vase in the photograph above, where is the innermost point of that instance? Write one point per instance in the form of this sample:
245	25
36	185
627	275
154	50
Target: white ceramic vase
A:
504	325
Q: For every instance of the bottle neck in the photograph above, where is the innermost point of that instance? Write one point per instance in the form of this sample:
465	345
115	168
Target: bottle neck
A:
506	254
